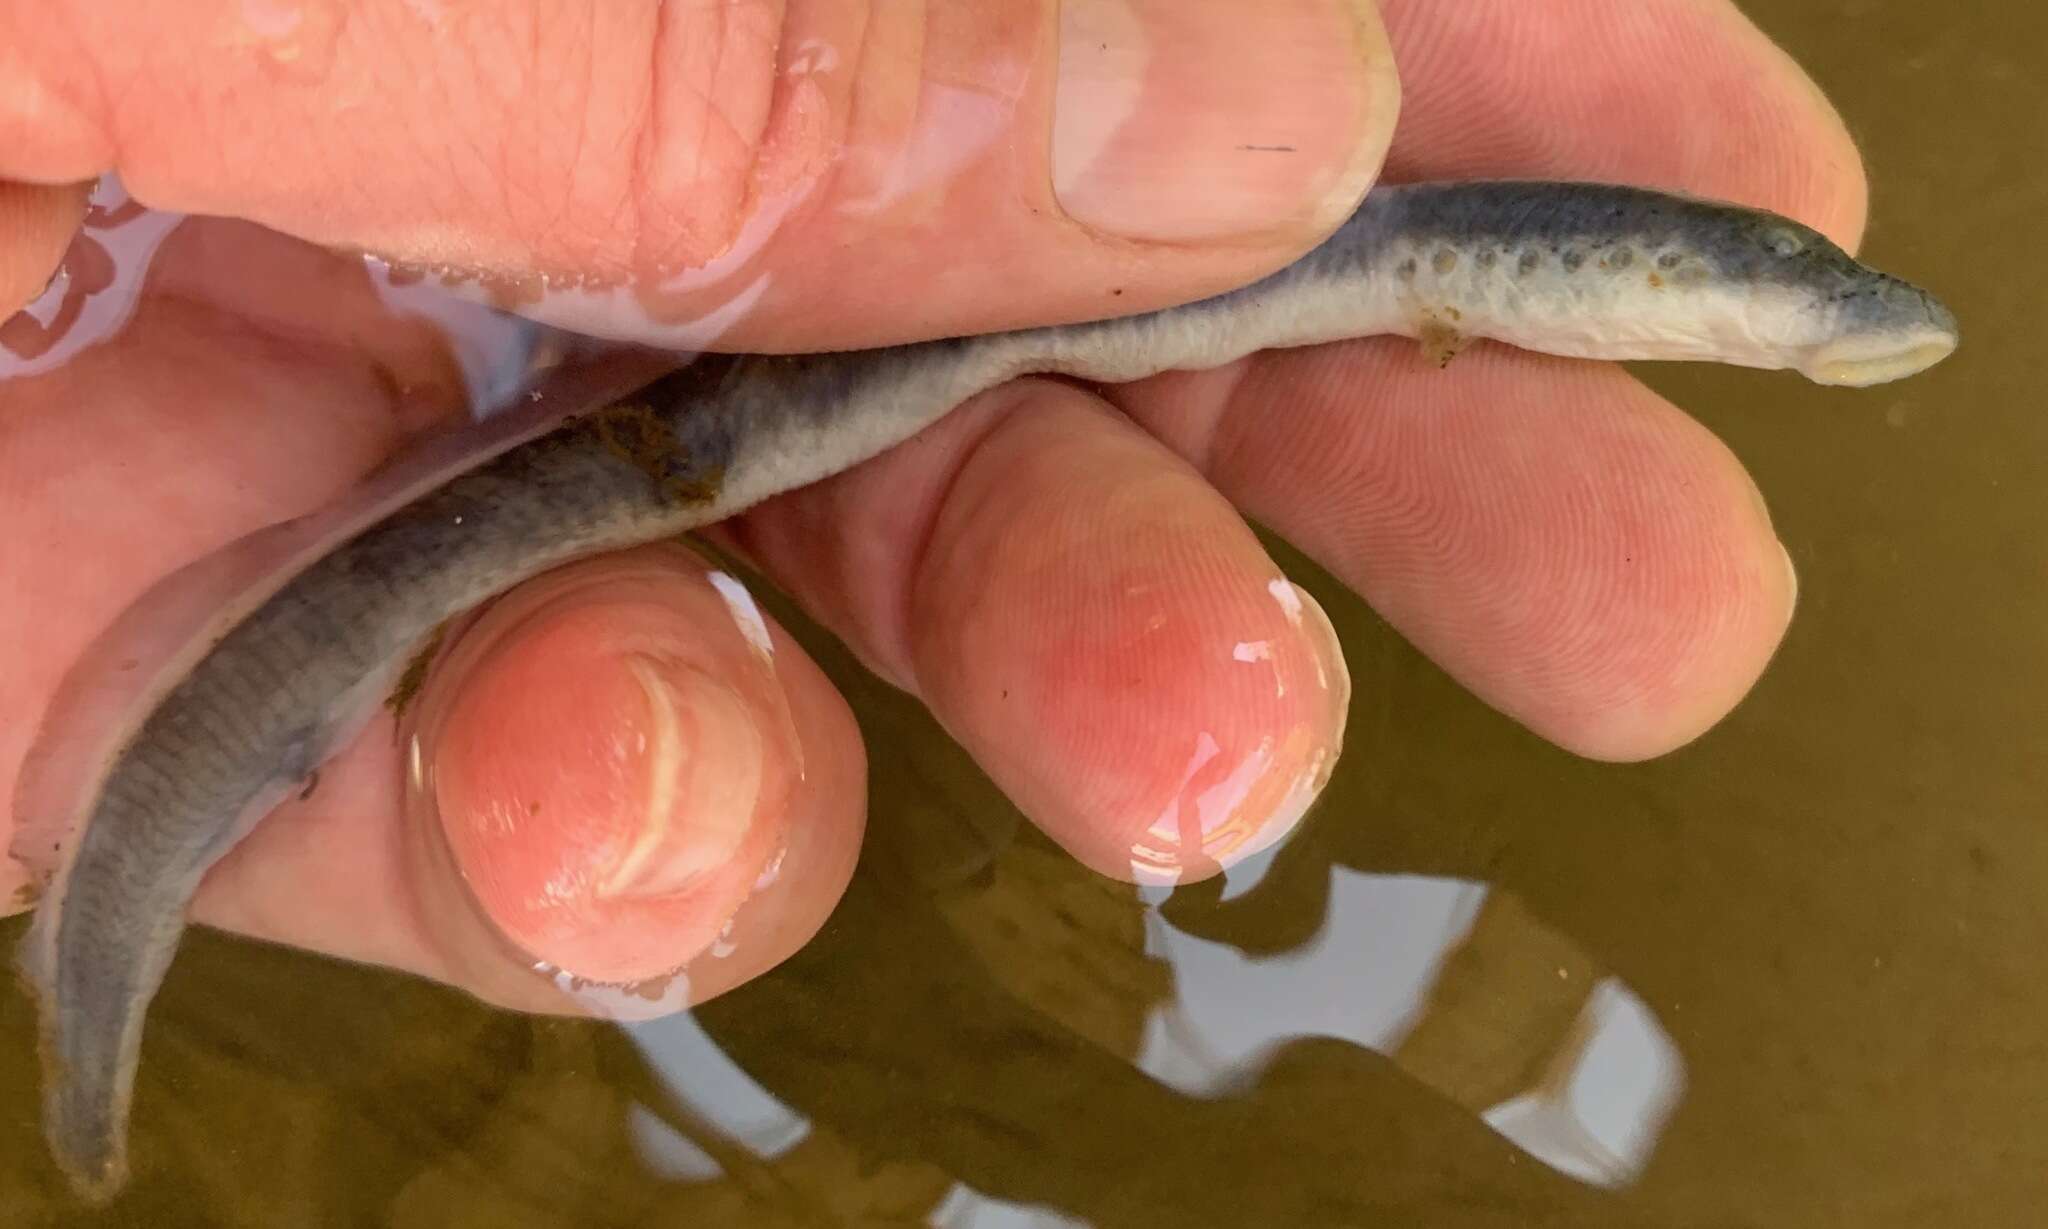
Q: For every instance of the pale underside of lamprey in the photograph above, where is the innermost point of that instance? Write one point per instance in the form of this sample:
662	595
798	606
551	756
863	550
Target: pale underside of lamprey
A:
126	803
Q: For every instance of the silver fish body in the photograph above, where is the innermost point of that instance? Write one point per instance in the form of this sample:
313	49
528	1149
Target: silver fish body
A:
253	707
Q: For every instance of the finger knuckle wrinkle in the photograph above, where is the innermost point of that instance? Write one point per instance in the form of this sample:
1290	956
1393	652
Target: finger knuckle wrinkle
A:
712	85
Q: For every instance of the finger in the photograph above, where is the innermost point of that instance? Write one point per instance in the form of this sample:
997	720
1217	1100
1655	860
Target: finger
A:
1680	94
1568	545
613	774
1564	543
36	224
1085	615
750	175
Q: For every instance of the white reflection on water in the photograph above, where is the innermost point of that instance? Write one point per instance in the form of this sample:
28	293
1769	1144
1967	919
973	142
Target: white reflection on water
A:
667	1151
1599	1116
966	1208
1364	978
1368	977
733	1103
1371	976
716	1089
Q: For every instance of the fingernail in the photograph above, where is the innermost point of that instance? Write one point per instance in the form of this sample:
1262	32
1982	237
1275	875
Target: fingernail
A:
1180	121
702	763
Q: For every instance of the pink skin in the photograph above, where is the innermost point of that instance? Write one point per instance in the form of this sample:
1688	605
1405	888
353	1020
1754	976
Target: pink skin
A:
38	221
1063	576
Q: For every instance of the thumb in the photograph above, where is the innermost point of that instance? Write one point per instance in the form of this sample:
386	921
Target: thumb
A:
605	766
745	175
618	789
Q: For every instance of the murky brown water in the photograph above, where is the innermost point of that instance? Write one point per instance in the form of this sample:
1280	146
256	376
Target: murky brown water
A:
1789	976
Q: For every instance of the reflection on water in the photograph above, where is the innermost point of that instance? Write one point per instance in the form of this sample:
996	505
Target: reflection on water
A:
966	1208
1457	984
1397	961
724	1099
716	1090
1597	1116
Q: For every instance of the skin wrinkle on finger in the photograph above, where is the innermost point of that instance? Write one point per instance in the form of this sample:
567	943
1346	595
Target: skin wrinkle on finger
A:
707	110
1572	549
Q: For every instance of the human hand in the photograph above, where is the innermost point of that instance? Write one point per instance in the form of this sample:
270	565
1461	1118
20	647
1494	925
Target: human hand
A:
1570	547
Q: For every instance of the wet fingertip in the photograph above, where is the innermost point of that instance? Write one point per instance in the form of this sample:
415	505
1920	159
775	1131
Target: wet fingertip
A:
604	766
1246	791
1333	673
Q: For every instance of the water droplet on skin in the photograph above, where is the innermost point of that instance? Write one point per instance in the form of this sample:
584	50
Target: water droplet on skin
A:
1284	593
1252	651
649	999
771	872
745	613
1153	868
812	57
295	37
